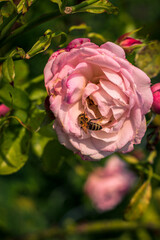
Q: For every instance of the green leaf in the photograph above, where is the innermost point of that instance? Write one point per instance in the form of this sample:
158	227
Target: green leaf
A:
39	143
152	156
23	6
30	2
14	150
7	9
36	117
61	36
44	42
14	97
82	26
48	131
129	158
37	93
1	18
32	82
97	36
95	7
59	2
5	31
40	122
18	52
139	202
53	156
21	114
8	69
41	45
22	72
148	59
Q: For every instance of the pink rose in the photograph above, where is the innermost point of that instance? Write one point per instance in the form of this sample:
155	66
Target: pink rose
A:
107	186
156	98
111	94
3	110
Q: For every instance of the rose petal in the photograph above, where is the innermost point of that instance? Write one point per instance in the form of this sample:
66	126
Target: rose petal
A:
63	137
118	111
114	48
77	43
115	78
114	91
85	51
103	135
143	82
103	100
84	69
124	64
100	155
75	85
125	134
89	89
127	148
85	146
55	104
140	132
104	61
47	71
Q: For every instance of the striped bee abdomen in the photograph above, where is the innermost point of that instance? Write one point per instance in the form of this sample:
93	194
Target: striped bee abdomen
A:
93	126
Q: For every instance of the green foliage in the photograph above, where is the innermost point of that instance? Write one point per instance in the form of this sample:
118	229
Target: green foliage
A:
82	26
21	72
59	2
14	97
139	202
23	6
5	31
14	150
18	52
148	59
44	42
52	163
8	69
7	9
94	6
41	45
97	36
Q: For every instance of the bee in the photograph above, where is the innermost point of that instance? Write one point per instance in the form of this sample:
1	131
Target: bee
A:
85	123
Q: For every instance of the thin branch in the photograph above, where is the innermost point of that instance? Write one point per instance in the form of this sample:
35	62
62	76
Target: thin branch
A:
2	59
146	171
30	25
91	228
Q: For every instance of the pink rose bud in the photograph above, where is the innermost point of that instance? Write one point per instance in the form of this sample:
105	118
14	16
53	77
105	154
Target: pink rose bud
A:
3	110
76	43
129	43
98	98
107	186
156	98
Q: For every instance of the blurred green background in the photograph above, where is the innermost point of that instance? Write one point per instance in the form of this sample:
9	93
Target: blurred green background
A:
48	190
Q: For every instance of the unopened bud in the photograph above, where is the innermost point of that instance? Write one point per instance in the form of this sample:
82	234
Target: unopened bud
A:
156	98
129	43
3	110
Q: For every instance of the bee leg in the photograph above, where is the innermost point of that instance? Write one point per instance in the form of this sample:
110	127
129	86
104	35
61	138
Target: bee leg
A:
85	130
95	119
